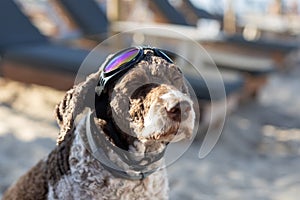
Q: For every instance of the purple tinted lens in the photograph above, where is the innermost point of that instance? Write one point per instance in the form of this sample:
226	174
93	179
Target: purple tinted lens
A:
120	59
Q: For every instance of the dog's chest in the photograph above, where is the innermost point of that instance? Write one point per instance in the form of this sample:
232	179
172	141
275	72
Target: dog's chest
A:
89	180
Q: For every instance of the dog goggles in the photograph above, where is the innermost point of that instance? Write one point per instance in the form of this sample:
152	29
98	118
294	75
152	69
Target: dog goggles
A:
122	61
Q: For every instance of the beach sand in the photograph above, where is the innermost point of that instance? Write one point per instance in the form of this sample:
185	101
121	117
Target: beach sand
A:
257	156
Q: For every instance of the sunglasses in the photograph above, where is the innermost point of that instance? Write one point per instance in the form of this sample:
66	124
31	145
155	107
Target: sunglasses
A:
122	61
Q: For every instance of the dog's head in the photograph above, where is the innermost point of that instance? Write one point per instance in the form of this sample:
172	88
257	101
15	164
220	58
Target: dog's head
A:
153	99
149	103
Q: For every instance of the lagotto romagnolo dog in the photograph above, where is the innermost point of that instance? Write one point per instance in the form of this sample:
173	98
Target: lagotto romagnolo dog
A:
115	149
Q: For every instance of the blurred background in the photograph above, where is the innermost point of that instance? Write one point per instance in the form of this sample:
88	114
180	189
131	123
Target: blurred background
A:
251	44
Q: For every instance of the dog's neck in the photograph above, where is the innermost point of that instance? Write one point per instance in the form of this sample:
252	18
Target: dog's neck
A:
141	159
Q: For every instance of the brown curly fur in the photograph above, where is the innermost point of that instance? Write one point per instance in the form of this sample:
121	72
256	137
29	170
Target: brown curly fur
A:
34	184
36	190
48	173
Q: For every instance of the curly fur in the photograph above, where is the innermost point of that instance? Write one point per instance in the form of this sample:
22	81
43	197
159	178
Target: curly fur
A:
89	180
144	103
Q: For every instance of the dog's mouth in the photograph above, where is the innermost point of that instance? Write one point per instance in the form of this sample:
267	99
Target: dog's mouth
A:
160	113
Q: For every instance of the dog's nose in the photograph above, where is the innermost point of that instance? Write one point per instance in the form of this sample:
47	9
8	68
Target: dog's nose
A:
180	111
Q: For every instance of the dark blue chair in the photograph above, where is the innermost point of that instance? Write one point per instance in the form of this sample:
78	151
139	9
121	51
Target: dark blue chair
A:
88	16
22	45
201	13
16	29
169	12
263	44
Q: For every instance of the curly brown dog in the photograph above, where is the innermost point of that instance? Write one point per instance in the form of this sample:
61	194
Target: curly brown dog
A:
113	135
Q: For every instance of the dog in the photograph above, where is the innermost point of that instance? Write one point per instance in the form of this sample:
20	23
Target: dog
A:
112	141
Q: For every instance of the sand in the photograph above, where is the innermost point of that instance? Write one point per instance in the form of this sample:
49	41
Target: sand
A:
257	156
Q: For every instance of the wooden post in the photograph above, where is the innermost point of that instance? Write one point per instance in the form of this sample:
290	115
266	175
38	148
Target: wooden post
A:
229	18
276	8
113	10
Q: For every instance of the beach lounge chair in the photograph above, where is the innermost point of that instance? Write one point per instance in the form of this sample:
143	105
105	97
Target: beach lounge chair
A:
29	56
186	14
278	50
201	13
170	13
88	16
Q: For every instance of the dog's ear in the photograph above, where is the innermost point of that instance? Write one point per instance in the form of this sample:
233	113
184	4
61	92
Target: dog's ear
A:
73	103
